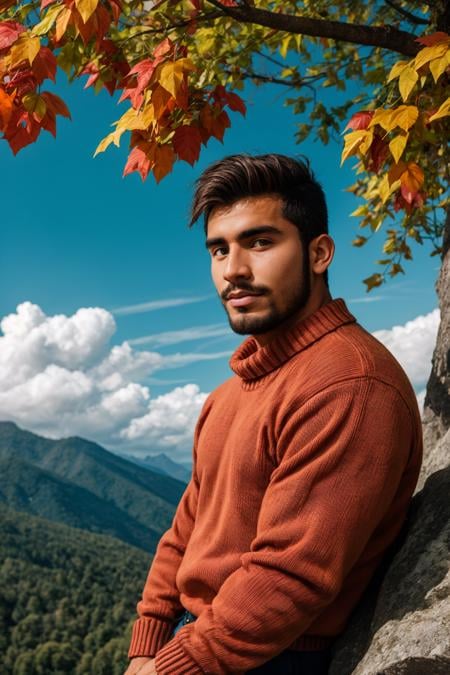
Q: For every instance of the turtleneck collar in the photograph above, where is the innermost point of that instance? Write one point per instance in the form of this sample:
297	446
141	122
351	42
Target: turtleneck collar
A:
251	362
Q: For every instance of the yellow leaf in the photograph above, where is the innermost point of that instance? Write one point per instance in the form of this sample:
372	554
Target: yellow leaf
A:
113	137
172	75
86	8
397	146
385	119
62	22
284	47
429	53
25	49
443	111
439	66
405	116
360	211
34	103
47	22
397	69
406	82
352	141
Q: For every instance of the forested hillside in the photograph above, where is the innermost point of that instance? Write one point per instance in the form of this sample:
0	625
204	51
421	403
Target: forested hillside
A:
67	598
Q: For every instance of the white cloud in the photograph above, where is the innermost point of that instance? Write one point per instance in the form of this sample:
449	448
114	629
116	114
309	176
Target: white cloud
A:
153	305
412	345
60	376
185	335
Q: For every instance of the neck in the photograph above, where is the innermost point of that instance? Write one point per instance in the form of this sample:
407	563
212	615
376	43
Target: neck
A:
316	300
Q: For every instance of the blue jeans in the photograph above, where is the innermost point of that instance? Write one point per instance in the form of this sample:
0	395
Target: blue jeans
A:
289	662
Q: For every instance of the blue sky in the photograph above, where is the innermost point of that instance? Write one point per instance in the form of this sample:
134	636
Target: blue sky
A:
75	234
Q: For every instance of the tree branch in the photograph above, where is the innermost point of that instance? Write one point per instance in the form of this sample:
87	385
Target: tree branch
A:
386	37
408	15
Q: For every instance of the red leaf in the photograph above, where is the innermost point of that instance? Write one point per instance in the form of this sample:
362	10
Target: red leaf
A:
360	120
56	104
164	48
44	65
186	142
46	3
220	123
433	39
139	160
235	102
229	3
22	132
6	108
144	71
9	33
378	153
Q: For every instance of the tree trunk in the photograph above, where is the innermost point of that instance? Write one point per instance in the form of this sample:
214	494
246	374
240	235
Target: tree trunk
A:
436	417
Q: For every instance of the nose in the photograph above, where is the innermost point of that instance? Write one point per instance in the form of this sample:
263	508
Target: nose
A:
236	266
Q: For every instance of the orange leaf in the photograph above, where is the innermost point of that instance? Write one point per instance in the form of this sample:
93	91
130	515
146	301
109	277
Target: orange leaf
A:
186	142
235	102
220	123
164	159
411	180
6	107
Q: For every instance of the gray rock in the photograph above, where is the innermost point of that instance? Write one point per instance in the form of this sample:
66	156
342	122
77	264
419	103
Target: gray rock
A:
402	625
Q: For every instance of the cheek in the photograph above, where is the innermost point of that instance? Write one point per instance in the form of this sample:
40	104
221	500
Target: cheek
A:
280	269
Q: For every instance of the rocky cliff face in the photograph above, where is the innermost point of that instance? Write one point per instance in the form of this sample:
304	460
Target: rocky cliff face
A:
402	625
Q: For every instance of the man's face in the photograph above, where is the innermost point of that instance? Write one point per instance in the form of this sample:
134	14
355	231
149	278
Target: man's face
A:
258	264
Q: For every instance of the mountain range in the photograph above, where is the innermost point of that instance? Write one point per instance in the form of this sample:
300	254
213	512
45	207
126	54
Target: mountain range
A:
79	483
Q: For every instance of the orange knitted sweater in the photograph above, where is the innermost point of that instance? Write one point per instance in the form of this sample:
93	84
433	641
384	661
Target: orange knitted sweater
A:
305	462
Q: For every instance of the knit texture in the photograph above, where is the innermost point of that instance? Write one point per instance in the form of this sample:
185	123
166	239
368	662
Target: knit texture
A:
304	464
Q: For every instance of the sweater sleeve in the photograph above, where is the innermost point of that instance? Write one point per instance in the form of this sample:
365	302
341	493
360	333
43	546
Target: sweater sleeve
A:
160	604
341	456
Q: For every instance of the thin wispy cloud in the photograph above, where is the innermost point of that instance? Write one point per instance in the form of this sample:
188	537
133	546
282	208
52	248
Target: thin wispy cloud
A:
368	298
184	335
153	305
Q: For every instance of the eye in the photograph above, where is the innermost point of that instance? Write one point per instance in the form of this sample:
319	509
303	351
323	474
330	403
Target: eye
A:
218	252
260	242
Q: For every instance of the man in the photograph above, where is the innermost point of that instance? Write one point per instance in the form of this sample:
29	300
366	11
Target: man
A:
305	460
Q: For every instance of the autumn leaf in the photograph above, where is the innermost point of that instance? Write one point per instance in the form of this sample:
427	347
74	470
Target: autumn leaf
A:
172	75
373	281
411	181
47	22
433	39
430	53
56	104
140	159
397	146
186	142
164	159
407	81
6	107
235	102
10	31
442	111
360	120
35	104
353	141
404	116
86	8
439	66
62	22
397	69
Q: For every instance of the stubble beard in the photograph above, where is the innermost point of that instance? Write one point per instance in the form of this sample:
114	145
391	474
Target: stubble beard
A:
245	324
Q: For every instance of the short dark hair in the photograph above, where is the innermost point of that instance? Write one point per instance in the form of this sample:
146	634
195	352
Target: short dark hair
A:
240	176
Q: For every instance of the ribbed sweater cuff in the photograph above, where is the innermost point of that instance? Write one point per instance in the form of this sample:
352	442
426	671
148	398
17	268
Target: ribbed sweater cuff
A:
173	659
148	636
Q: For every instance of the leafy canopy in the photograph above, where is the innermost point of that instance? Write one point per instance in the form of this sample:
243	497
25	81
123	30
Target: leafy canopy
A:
178	65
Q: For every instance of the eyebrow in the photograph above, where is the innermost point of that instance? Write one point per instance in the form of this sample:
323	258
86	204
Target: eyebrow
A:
245	234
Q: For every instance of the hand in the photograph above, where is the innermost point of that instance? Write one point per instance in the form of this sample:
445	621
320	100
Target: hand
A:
144	665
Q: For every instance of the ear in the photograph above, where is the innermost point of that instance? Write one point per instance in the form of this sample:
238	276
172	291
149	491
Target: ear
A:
321	252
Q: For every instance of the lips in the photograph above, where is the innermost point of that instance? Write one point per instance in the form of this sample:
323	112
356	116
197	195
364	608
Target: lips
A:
242	298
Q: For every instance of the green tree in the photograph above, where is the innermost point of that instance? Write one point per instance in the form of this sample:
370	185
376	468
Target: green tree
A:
180	63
